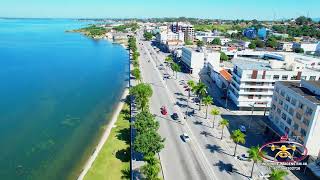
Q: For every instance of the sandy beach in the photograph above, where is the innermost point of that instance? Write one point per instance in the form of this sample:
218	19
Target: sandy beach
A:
105	135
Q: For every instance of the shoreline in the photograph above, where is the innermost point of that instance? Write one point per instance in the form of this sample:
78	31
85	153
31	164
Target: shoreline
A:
105	135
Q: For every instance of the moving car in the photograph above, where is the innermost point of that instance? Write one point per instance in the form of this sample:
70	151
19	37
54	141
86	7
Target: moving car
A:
242	128
185	137
175	116
164	110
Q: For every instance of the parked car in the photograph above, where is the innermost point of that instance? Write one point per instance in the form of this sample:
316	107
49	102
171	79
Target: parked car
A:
242	128
175	116
185	137
164	110
243	157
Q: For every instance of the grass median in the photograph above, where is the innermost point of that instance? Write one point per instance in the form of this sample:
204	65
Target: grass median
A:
113	160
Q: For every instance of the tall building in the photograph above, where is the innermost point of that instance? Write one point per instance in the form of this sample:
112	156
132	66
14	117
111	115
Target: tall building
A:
197	59
253	79
295	111
186	28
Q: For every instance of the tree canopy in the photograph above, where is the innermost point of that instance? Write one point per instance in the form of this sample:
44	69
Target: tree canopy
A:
216	41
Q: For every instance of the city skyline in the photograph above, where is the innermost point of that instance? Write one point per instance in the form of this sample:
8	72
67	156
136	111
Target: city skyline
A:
230	9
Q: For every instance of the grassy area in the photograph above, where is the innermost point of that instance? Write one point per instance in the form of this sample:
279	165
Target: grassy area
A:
92	31
222	27
113	160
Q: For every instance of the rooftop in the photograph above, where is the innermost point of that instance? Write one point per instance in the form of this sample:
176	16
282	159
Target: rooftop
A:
302	91
226	75
249	63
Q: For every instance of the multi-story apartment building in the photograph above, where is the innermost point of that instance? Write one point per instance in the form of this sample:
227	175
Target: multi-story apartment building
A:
253	79
197	59
307	47
295	111
186	28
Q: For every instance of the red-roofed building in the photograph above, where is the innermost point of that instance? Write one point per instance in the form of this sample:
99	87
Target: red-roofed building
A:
222	79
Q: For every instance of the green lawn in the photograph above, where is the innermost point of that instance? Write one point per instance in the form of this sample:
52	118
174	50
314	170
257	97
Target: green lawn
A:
113	160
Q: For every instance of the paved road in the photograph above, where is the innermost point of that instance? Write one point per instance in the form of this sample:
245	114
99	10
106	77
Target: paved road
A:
194	160
216	151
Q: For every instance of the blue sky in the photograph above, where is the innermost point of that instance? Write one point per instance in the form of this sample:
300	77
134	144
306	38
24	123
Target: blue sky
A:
224	9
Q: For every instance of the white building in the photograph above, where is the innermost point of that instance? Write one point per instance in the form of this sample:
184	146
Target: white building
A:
165	36
253	79
307	47
186	28
295	110
196	59
285	46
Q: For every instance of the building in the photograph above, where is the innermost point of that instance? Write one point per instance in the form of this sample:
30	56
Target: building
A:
253	79
295	111
307	47
263	33
285	46
186	28
165	36
195	60
281	35
250	33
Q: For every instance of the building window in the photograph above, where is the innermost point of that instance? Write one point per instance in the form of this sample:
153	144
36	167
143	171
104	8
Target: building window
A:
306	121
281	125
277	89
291	111
278	111
293	102
273	107
288	98
275	98
282	93
303	132
284	77
312	78
280	102
298	115
303	77
301	106
296	126
294	78
289	121
276	77
286	107
250	97
283	116
309	111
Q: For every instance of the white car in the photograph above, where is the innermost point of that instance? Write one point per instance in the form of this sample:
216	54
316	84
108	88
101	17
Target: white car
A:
185	137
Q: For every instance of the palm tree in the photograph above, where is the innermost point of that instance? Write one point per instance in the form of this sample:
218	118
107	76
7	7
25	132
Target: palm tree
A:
255	156
176	68
238	137
207	100
278	174
201	91
215	112
191	84
223	123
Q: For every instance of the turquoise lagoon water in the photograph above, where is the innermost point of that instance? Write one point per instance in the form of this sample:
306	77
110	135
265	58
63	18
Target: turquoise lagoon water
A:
56	90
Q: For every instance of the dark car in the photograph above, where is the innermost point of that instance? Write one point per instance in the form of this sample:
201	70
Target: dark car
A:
175	116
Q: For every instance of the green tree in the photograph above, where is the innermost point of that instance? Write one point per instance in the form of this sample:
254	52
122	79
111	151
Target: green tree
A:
238	137
215	112
145	121
152	168
216	41
200	43
147	35
201	91
255	156
175	68
168	60
142	92
191	85
223	123
137	74
277	174
188	42
252	45
207	100
259	43
272	42
148	143
223	56
135	63
302	20
298	50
